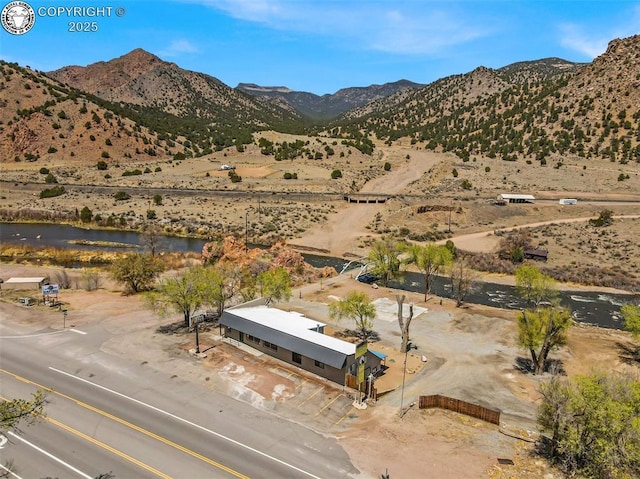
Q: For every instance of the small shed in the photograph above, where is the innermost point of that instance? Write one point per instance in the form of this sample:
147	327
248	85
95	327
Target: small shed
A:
35	283
512	198
537	254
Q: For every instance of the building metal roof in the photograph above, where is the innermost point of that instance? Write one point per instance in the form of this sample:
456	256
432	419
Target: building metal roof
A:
509	196
290	330
26	280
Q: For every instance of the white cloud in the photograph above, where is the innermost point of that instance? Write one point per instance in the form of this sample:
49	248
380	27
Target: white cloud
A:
591	40
573	37
178	47
402	27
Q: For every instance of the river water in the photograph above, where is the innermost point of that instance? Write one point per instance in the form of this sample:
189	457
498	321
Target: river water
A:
592	307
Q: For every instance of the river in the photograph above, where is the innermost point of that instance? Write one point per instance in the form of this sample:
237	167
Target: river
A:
591	307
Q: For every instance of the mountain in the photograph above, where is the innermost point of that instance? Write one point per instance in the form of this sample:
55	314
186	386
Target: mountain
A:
327	106
41	118
144	82
541	110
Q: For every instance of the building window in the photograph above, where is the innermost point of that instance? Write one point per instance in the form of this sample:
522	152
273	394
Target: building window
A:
267	344
319	364
253	339
296	358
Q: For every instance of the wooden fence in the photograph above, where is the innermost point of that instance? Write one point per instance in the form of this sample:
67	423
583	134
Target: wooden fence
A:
459	406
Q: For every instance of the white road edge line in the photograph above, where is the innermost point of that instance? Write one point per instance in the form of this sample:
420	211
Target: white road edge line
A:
185	421
48	454
74	330
10	472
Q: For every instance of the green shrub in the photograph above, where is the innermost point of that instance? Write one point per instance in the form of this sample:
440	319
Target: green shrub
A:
335	174
44	171
101	165
52	192
50	179
121	195
387	166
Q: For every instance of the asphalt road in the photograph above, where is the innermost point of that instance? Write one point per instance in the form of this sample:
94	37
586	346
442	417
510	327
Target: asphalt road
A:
105	414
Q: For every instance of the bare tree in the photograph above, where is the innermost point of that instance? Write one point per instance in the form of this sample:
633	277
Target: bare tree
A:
404	324
62	279
463	280
91	279
152	239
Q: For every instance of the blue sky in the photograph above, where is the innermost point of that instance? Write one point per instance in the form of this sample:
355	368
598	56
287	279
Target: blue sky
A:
324	45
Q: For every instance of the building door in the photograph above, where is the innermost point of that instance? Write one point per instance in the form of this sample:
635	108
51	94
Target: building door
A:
241	336
296	358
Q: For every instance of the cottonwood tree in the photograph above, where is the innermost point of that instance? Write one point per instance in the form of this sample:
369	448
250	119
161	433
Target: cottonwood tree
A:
631	317
430	259
224	281
183	294
404	323
358	307
136	271
20	411
535	286
275	285
383	256
593	423
541	331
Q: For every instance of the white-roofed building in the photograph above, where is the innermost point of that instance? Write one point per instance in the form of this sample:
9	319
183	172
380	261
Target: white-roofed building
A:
35	283
297	340
512	198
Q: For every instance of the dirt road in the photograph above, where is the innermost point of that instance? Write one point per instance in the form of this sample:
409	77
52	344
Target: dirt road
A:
344	230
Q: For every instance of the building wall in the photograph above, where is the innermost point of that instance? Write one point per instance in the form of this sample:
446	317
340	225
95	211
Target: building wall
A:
23	286
308	364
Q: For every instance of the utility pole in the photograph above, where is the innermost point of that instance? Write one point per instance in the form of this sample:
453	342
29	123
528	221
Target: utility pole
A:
246	230
409	347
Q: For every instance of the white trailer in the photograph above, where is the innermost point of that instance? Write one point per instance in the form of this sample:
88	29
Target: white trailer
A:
568	201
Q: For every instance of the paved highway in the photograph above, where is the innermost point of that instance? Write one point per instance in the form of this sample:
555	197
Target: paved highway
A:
106	414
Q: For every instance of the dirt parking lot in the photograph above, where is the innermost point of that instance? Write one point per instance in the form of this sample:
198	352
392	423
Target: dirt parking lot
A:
470	354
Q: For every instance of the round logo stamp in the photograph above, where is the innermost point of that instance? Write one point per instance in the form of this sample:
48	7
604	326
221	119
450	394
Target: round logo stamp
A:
17	18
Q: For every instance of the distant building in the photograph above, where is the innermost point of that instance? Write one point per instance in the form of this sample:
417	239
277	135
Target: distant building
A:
298	340
510	198
35	283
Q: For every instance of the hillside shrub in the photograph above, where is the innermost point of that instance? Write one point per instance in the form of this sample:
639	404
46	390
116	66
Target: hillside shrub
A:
335	174
52	192
121	196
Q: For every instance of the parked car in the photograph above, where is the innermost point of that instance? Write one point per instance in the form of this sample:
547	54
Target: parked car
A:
368	278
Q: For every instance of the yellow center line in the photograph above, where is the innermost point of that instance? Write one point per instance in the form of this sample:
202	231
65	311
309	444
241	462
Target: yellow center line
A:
107	447
132	426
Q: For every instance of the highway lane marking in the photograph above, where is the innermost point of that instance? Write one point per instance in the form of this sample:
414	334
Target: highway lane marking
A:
51	456
10	472
130	425
107	447
38	335
185	421
74	330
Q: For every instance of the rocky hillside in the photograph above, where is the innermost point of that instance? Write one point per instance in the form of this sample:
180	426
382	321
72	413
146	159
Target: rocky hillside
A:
41	118
328	106
156	87
540	110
